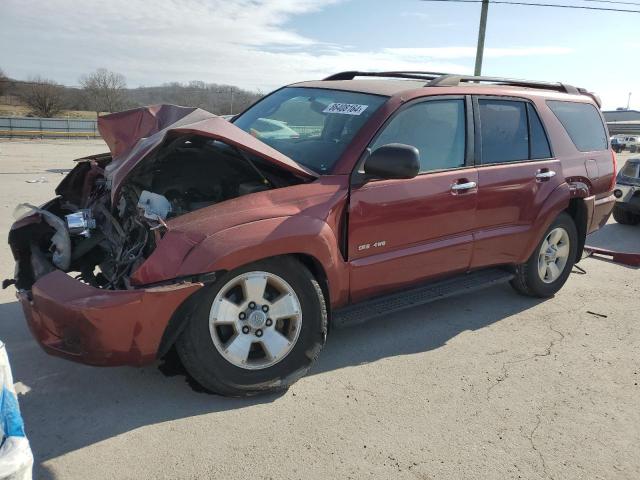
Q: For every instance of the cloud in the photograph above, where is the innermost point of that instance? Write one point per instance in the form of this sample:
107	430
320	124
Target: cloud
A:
470	52
420	15
249	43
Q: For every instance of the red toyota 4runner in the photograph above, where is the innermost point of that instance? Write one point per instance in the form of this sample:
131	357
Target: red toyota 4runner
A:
240	242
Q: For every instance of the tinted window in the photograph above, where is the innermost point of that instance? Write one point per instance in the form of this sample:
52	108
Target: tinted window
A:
583	124
436	128
630	170
537	137
504	131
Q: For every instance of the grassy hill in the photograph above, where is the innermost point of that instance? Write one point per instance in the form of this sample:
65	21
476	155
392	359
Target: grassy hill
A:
23	111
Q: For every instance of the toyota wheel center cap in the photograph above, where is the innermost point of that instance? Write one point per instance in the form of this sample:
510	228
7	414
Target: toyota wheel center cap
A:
257	319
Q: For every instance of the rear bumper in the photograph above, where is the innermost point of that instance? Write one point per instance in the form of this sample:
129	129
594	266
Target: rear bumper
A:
600	211
100	327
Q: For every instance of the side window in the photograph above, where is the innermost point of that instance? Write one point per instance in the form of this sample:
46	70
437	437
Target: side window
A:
436	128
583	124
630	170
504	132
537	137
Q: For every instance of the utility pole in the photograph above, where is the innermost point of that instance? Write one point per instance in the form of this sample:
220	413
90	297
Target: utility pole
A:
628	100
481	31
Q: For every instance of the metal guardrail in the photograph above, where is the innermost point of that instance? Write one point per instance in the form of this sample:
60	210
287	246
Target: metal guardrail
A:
33	127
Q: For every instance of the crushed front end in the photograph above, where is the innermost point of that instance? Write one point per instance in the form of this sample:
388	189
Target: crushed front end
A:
74	259
91	287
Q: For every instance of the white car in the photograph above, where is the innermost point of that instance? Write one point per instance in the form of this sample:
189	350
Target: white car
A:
267	128
628	142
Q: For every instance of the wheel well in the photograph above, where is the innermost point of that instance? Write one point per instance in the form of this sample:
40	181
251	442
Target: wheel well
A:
578	211
316	269
182	314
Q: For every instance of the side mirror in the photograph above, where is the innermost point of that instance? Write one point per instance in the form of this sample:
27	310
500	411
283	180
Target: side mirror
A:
393	161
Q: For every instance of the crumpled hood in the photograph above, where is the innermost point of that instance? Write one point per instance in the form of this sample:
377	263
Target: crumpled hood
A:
132	134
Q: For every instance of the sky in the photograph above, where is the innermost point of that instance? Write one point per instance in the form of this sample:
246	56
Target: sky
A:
263	44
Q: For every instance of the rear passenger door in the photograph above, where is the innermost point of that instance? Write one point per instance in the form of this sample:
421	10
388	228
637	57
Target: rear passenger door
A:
404	231
516	174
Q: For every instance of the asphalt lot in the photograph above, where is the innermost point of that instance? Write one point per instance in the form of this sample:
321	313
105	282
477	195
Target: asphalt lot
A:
494	386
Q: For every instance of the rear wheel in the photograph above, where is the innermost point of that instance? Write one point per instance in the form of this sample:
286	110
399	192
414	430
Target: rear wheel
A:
550	264
258	329
624	217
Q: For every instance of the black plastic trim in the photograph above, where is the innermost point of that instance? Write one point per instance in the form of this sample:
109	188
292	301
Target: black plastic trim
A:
478	129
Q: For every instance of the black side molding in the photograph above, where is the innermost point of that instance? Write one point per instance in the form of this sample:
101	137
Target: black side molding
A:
430	292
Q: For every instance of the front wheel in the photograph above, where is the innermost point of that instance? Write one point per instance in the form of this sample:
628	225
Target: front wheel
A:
550	264
257	329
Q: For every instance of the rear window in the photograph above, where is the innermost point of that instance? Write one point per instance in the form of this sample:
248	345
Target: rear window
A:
630	170
504	131
583	124
538	142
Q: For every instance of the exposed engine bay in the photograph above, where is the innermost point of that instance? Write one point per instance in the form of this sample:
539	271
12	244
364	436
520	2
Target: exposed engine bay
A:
102	244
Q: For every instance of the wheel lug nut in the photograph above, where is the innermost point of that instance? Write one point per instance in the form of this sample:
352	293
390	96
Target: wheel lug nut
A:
269	322
242	315
252	305
245	329
258	333
265	308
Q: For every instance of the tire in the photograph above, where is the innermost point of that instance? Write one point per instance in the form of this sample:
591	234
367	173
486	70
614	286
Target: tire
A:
623	217
632	149
207	349
528	278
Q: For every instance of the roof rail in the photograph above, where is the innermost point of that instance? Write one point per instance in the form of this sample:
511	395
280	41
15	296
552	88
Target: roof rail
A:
415	75
453	80
437	79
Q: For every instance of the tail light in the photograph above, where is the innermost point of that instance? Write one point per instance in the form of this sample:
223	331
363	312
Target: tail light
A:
615	170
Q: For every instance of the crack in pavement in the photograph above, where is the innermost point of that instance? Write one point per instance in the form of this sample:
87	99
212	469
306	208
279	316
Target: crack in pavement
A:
505	373
535	449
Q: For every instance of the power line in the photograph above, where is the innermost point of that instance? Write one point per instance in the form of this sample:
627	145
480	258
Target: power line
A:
612	1
530	4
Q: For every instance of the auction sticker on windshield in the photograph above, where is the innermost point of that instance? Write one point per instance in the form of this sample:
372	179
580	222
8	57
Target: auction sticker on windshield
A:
345	108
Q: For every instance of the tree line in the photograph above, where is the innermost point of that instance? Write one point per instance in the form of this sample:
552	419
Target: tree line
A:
104	91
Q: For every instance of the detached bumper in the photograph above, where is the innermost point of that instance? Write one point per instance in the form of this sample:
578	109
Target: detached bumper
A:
100	327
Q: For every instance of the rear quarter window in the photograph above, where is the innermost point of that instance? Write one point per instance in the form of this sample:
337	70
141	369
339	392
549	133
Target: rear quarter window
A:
583	124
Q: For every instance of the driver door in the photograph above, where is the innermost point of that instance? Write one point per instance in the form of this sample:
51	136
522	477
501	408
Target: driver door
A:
402	232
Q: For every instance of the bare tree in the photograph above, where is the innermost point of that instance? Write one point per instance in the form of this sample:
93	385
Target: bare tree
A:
106	90
45	97
3	82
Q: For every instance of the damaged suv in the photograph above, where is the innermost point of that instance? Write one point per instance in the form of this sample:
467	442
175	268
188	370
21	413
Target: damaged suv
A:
241	245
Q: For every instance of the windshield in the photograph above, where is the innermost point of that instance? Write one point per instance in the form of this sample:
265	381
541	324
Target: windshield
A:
312	126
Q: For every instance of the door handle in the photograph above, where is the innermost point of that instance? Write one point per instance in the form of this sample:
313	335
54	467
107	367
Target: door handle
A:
460	187
545	174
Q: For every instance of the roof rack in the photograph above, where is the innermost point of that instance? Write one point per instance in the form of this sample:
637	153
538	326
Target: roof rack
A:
414	75
437	79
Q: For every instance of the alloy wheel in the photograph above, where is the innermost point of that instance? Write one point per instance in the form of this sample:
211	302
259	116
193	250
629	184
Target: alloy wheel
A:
255	320
553	255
